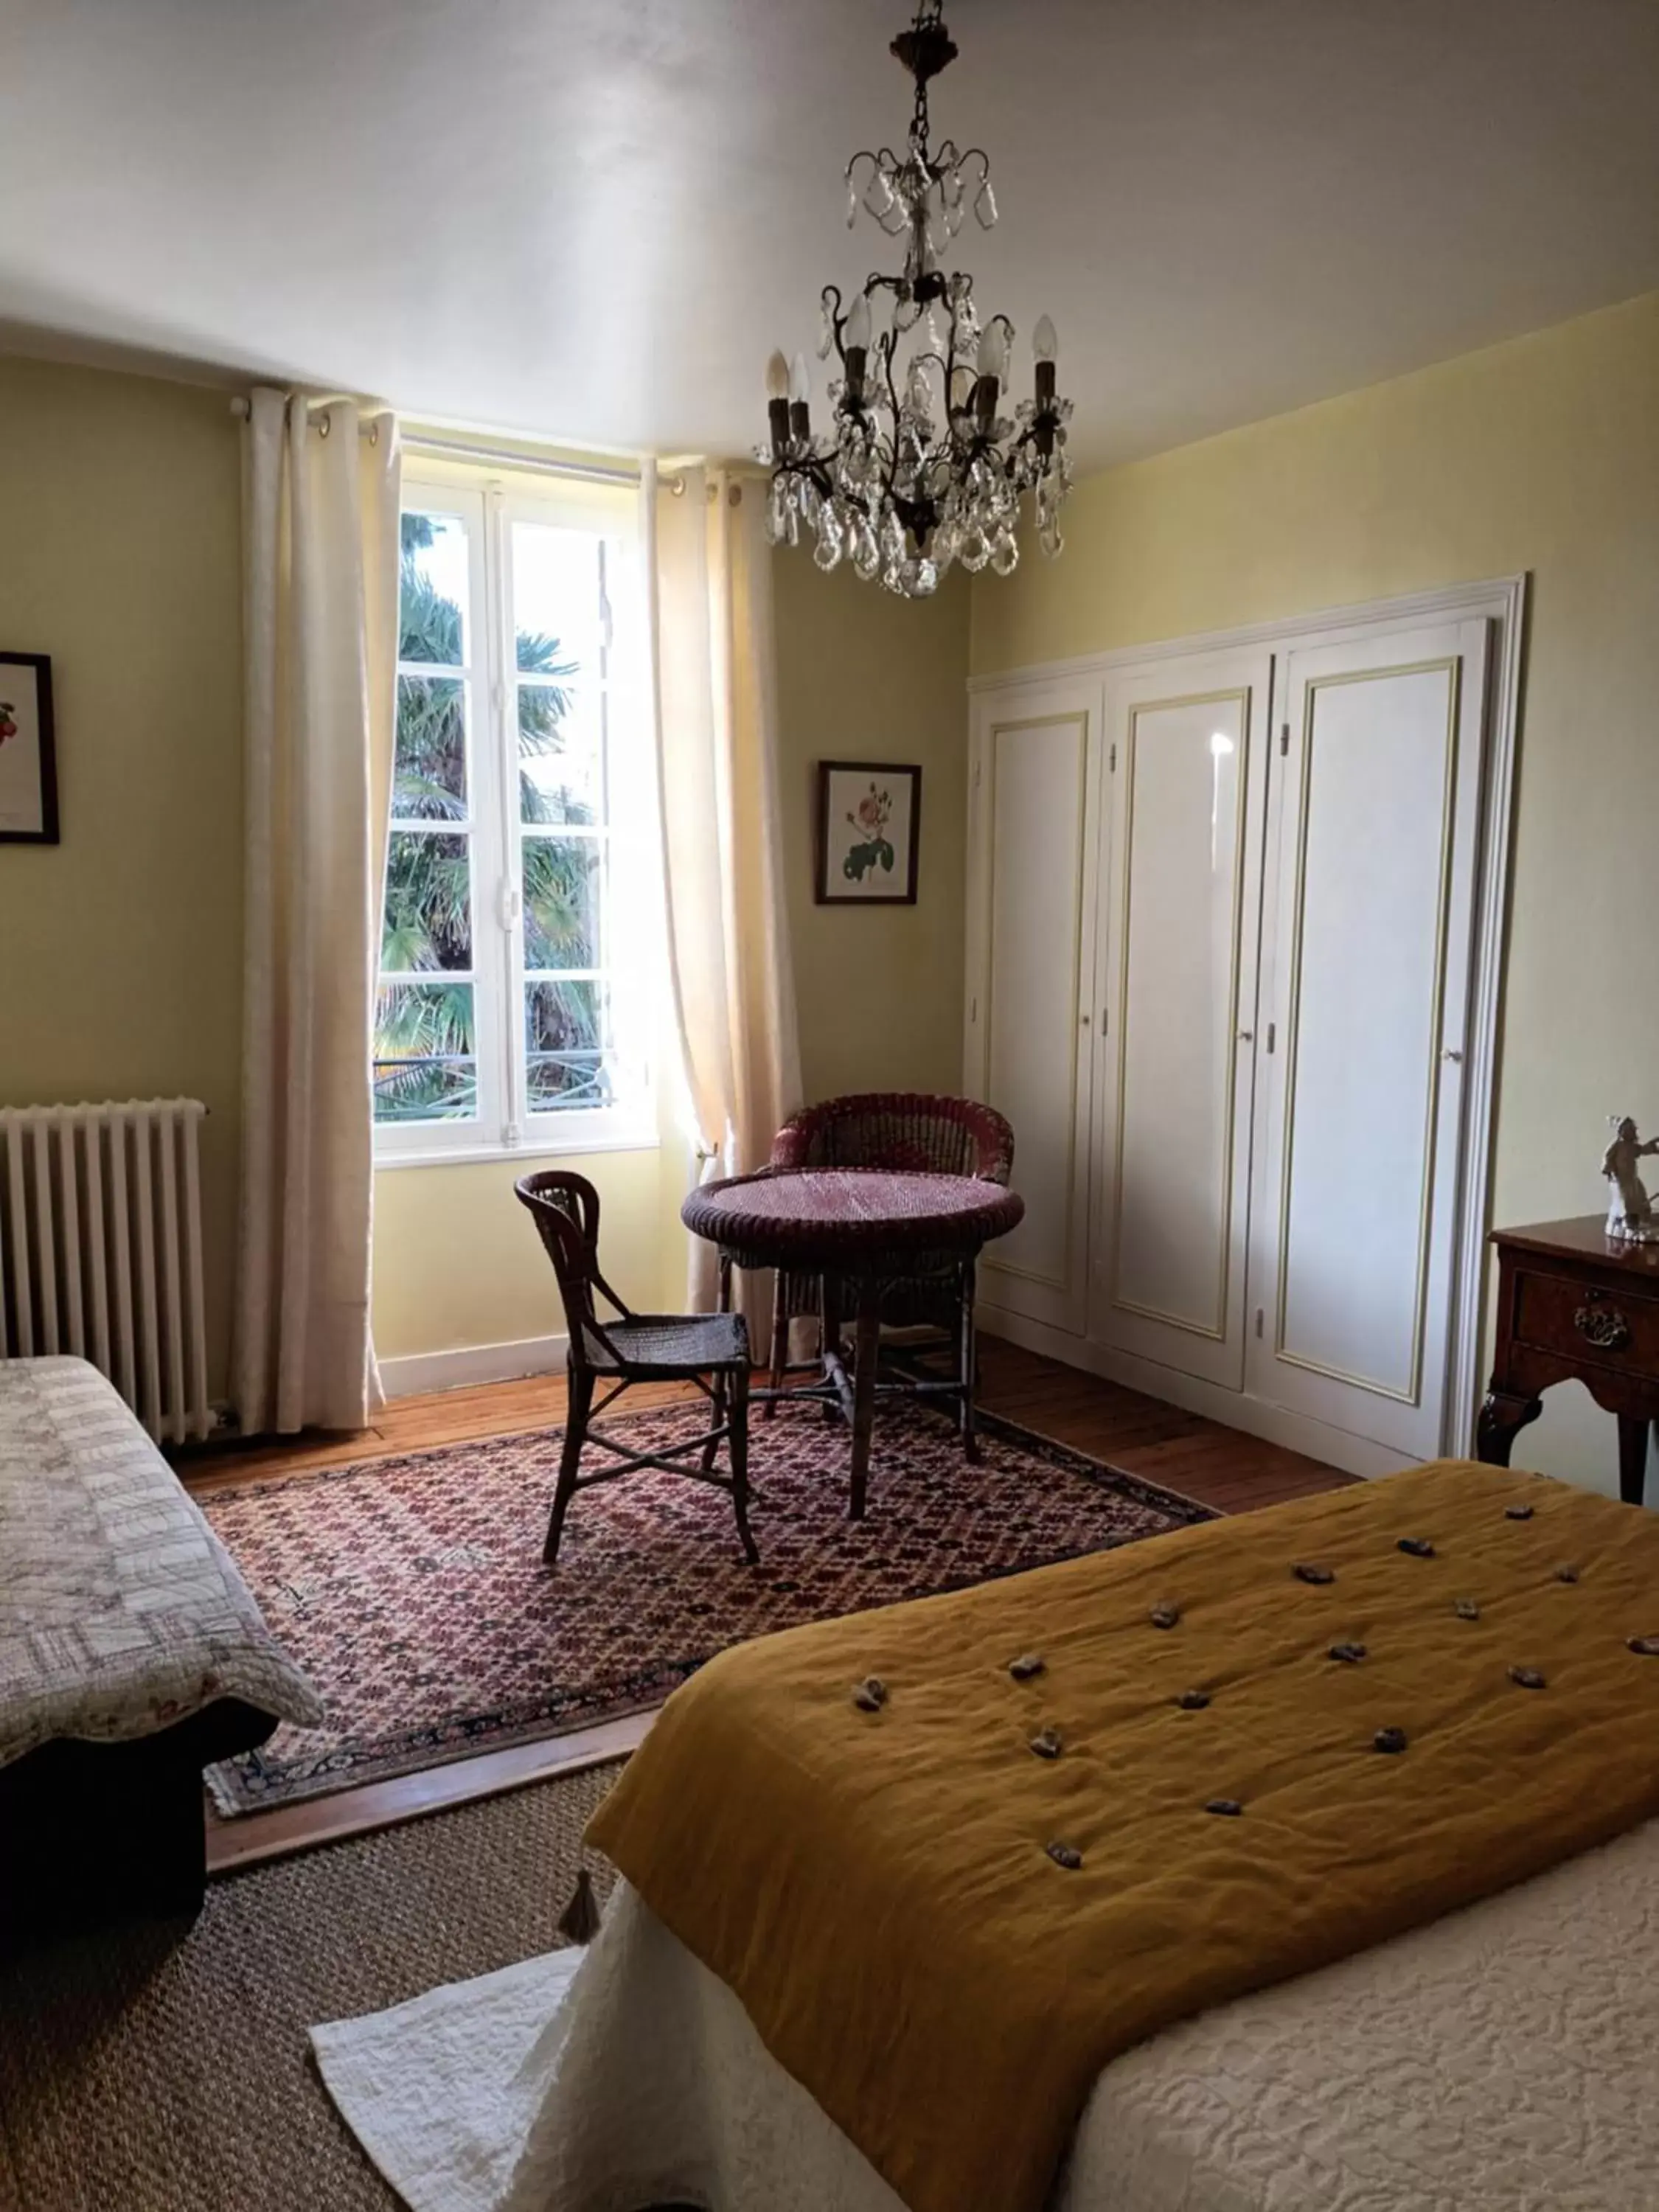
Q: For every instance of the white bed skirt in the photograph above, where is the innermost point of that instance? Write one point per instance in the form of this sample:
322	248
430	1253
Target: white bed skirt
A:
1499	2060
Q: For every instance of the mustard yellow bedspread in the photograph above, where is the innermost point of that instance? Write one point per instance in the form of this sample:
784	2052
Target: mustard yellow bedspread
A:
876	1885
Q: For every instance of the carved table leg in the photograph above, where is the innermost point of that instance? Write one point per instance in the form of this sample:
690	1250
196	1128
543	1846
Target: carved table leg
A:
864	1394
1632	1457
829	1309
1502	1416
967	1353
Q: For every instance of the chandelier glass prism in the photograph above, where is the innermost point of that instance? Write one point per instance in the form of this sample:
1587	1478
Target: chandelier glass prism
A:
921	465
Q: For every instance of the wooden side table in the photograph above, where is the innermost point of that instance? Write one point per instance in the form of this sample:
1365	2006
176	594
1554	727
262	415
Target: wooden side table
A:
1573	1305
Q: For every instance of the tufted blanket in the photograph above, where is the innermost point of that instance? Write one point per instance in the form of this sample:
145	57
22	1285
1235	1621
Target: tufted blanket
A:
1276	1742
120	1611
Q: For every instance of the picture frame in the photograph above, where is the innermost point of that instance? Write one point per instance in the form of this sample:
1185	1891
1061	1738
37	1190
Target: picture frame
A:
28	761
868	833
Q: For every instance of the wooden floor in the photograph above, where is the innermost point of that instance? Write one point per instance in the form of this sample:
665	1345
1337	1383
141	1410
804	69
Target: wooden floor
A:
1220	1467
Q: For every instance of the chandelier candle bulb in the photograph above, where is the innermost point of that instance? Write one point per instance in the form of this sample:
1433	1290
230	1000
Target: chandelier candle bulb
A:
1045	347
901	484
801	390
993	351
777	404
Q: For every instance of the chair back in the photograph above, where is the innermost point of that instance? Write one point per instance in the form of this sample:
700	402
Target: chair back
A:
914	1130
565	1207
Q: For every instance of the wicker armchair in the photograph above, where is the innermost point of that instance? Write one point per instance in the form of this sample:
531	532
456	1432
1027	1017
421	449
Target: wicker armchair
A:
901	1129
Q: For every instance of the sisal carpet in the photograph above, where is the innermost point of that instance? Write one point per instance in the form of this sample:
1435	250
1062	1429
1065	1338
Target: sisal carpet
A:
411	1590
142	2070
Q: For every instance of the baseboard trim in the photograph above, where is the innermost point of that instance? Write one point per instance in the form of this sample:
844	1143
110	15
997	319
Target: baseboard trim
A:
470	1363
1234	1409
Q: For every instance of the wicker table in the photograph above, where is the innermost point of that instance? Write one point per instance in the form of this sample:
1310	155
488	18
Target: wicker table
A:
858	1228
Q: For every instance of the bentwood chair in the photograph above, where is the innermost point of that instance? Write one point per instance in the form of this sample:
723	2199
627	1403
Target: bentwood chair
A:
923	1134
711	1349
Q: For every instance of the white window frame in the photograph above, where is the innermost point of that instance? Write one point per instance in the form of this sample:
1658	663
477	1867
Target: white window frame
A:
505	1127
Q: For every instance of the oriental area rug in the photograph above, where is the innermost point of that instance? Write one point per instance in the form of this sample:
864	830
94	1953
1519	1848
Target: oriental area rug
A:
411	1590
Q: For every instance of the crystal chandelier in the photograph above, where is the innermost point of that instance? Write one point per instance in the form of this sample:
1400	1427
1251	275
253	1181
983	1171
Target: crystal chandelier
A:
919	468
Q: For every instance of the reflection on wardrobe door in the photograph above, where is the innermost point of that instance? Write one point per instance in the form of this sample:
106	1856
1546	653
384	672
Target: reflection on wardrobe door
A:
1370	904
1030	983
1179	935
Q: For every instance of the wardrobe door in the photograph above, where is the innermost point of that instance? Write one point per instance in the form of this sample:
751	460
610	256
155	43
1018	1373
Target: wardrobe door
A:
1186	773
1031	979
1370	912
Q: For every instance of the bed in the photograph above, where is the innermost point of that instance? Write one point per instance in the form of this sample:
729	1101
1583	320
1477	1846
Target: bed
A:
846	1967
131	1656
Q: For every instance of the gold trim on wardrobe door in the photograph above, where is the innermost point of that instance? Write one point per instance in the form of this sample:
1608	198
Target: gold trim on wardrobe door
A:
1240	697
1452	667
1079	860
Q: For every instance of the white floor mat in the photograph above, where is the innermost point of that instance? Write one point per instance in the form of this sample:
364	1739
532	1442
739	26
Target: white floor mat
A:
441	2091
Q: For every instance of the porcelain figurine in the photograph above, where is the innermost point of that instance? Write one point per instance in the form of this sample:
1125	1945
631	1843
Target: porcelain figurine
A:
1630	1210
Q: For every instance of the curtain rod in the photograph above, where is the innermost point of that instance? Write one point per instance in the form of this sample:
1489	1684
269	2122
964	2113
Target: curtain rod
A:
369	415
503	457
491	456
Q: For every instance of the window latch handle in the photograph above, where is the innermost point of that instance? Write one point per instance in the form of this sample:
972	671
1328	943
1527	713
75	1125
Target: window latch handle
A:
511	906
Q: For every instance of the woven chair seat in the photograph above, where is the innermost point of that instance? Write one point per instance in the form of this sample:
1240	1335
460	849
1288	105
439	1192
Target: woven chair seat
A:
685	1342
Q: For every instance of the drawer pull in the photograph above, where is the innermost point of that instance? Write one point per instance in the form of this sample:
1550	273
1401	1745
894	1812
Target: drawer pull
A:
1605	1327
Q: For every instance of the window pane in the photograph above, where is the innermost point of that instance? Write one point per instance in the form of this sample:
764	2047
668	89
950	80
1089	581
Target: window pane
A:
556	600
429	902
564	1047
429	781
560	755
432	599
563	878
424	1064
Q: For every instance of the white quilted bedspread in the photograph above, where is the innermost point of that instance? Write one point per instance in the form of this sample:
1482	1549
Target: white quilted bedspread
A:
1501	2060
120	1611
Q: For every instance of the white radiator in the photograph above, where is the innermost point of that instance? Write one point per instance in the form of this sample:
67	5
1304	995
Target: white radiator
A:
101	1249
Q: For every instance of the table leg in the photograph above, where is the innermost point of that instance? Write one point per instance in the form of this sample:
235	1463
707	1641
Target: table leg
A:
723	1295
1501	1417
969	1367
830	1351
864	1394
1632	1457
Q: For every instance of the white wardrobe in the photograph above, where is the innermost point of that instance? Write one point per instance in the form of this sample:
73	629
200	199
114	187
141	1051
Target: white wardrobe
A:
1234	938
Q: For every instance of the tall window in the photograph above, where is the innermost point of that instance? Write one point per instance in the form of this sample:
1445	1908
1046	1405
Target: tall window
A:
514	1005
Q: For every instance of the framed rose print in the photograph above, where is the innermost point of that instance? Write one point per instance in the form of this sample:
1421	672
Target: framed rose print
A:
869	829
28	769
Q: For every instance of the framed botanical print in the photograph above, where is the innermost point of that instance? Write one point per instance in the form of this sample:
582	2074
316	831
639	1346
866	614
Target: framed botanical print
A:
869	829
28	768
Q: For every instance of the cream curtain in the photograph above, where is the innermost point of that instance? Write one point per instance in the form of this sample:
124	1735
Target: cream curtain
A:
320	539
728	940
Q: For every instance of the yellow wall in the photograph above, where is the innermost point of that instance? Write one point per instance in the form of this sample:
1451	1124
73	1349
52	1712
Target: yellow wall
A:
1541	455
120	948
458	1262
864	676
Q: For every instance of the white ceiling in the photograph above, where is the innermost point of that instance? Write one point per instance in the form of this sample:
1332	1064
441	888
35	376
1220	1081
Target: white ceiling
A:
593	218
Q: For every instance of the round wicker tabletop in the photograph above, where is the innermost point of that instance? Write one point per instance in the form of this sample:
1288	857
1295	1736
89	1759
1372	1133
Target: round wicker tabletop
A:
853	1221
